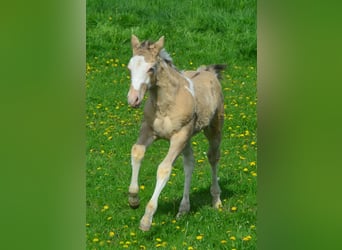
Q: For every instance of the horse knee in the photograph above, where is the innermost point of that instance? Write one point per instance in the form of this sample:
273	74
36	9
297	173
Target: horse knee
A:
163	172
138	152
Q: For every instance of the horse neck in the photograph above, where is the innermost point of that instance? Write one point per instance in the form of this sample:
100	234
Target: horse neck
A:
167	83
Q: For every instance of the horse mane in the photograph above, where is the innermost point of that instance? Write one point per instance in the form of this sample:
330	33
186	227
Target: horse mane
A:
165	56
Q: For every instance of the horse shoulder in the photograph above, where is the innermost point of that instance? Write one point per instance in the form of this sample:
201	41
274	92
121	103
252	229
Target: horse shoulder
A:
176	116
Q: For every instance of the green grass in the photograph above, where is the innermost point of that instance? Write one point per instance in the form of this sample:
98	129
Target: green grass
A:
196	33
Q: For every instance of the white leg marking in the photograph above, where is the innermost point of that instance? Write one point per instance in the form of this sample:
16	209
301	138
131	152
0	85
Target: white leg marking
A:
137	154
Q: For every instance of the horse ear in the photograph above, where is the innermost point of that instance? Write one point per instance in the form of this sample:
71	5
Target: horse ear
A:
159	44
134	41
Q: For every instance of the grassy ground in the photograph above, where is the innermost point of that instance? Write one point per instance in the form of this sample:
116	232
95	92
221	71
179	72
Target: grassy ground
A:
196	32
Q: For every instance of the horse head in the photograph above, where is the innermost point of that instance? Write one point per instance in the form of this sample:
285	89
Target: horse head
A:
142	68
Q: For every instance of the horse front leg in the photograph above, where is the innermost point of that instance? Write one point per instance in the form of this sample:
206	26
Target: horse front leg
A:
137	154
177	144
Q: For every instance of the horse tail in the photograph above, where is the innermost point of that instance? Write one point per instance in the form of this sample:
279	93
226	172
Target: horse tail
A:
214	68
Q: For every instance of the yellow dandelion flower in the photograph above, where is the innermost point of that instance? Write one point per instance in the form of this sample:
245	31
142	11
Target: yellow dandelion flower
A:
245	170
252	163
252	226
142	247
194	143
253	143
200	160
105	207
109	218
233	209
132	234
158	239
142	187
173	221
223	241
190	248
111	234
247	238
242	158
96	240
254	174
232	238
199	237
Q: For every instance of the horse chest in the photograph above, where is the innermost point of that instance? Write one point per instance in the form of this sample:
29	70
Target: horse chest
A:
163	126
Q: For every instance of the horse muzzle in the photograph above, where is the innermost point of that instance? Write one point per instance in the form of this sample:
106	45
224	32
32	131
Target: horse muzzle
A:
135	97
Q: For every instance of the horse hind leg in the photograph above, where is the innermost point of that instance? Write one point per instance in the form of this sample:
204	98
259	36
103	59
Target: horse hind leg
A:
188	162
213	134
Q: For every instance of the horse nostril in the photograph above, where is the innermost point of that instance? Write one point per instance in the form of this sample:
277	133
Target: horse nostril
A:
136	102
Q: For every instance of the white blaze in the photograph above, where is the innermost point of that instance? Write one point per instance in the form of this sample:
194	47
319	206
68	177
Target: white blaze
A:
139	68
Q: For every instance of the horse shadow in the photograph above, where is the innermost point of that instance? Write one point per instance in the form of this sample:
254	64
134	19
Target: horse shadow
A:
199	198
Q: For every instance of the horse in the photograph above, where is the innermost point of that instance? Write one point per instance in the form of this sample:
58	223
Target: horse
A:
179	105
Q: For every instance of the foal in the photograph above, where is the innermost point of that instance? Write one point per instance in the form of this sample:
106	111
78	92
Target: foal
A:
179	105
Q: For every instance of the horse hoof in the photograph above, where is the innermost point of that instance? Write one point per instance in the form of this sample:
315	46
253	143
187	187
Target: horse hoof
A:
217	204
145	225
133	201
181	214
144	228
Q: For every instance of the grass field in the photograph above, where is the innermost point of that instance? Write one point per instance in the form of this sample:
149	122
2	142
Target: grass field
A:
196	32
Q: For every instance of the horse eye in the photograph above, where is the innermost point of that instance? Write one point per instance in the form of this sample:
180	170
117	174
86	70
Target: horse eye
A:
151	70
